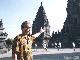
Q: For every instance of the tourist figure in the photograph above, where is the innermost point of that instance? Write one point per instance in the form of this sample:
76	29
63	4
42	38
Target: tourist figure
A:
73	46
22	44
44	45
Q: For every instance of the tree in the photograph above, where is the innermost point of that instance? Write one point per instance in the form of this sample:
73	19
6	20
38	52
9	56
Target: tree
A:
9	43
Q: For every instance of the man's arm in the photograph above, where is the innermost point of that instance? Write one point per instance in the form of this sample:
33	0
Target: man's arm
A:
37	34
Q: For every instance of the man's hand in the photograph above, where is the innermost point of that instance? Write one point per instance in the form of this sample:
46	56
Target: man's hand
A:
37	34
42	30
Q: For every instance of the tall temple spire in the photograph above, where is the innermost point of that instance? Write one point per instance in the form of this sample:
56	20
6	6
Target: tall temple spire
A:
41	3
71	27
1	24
1	19
40	21
41	9
3	36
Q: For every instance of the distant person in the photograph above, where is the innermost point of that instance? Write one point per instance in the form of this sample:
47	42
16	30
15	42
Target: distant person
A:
22	44
44	45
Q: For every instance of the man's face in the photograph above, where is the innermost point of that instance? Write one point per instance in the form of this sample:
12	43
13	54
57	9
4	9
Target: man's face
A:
26	30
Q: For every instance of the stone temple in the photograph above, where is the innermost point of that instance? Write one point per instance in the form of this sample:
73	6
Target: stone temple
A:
41	21
69	34
3	36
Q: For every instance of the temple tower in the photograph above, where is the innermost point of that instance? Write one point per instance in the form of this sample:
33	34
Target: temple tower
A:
3	36
71	28
40	21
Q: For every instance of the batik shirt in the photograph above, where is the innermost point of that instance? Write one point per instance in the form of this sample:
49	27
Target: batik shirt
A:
22	43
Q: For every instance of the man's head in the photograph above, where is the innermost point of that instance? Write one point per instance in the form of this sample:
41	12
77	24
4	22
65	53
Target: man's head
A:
25	27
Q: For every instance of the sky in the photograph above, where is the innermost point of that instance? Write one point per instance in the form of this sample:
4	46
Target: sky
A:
14	12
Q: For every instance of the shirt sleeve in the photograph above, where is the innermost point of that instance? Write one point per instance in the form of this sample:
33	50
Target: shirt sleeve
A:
33	38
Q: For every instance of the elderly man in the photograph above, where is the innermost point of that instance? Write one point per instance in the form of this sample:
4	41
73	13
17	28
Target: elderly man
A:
22	44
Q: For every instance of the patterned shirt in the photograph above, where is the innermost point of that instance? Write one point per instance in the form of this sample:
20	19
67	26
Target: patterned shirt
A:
22	43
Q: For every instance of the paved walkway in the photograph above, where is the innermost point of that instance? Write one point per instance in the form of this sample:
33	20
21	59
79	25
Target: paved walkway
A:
65	56
53	54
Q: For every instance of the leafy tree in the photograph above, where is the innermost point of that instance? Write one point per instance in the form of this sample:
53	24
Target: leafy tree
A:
9	43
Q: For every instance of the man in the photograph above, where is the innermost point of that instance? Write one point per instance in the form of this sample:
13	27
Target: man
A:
22	44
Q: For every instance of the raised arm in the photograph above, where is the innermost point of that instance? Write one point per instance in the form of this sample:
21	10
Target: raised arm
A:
37	34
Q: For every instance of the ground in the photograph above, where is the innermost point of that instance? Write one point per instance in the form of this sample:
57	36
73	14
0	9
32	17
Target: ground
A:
50	54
